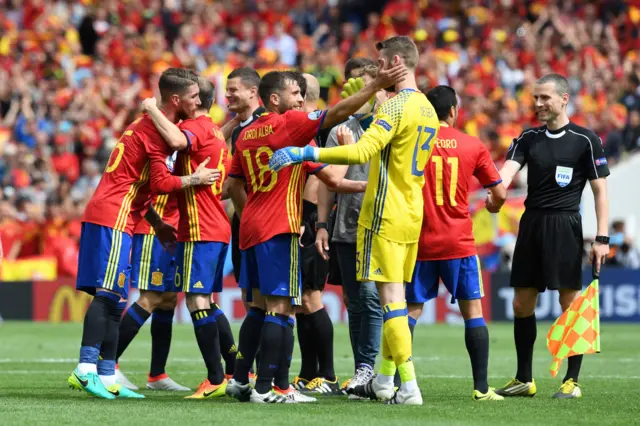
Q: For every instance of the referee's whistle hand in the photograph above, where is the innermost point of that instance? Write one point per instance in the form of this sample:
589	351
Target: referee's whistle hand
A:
599	253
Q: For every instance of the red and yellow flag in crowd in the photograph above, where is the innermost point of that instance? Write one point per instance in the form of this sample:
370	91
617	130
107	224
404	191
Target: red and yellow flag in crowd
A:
577	330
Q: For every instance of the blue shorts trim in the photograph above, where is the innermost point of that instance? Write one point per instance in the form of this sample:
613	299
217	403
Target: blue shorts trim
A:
152	267
273	267
200	266
103	261
462	278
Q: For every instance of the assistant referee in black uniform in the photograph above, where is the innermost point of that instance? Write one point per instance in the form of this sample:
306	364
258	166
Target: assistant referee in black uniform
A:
561	156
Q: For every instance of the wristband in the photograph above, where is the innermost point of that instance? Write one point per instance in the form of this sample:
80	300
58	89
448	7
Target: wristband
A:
322	225
602	239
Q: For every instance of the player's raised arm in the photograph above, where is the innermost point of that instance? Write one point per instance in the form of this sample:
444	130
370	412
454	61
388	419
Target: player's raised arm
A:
174	137
348	106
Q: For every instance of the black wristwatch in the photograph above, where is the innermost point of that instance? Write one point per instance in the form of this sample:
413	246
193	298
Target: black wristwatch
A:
602	239
322	225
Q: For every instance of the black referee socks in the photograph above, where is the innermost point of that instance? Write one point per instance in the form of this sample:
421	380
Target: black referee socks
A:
308	351
524	333
322	330
573	368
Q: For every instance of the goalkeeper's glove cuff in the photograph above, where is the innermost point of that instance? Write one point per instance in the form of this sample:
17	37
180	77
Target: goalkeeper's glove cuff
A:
310	153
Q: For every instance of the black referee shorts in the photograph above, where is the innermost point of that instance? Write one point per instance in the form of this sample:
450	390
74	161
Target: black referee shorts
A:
314	268
548	253
235	246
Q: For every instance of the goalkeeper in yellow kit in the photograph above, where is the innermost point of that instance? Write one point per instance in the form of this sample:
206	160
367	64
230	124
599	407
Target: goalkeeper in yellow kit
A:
398	144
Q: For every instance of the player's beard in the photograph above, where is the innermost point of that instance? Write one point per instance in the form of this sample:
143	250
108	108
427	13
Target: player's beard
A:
182	115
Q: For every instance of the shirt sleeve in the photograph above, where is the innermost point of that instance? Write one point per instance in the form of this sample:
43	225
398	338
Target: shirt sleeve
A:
236	166
162	163
595	162
486	170
518	150
302	126
190	130
311	167
385	126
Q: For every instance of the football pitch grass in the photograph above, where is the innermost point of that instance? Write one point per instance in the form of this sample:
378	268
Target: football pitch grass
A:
37	358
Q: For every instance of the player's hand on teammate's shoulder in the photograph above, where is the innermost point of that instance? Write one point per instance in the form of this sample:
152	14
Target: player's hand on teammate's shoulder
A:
388	77
206	176
148	104
344	135
322	243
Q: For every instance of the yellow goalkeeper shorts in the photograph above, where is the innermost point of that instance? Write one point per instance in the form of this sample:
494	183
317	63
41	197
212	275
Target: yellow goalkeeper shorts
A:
382	260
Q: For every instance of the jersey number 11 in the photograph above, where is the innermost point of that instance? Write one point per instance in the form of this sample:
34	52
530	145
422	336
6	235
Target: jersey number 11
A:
453	185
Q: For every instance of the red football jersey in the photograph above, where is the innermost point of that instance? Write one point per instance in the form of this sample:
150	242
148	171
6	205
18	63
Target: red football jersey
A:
274	200
123	194
447	231
166	205
202	216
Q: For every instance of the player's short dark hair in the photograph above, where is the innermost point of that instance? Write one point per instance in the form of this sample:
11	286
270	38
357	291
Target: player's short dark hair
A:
355	64
442	98
402	46
561	83
299	78
207	93
275	82
176	81
248	76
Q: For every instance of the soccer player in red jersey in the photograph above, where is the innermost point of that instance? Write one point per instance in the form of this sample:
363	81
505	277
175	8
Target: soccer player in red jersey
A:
447	249
204	231
270	218
110	218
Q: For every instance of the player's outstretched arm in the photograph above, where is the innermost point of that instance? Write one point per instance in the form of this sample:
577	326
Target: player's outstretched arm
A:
238	194
172	135
346	107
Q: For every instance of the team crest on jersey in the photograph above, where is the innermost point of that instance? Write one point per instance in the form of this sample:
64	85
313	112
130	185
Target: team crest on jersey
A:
563	176
156	278
121	279
171	161
314	115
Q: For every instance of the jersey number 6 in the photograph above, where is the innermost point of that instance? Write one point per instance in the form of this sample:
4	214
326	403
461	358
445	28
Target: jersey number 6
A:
422	146
258	182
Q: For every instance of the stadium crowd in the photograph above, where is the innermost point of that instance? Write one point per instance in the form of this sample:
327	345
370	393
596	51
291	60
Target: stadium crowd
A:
73	73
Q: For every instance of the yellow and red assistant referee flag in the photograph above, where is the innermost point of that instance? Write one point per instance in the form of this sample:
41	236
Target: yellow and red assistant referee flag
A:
577	330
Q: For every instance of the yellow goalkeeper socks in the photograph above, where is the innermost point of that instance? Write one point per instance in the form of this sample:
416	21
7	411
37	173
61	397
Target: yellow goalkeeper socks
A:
388	365
398	338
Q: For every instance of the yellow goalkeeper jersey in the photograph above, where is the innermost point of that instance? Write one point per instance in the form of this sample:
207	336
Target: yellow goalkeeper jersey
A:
398	143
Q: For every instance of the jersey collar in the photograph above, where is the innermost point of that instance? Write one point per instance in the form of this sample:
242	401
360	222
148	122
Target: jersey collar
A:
556	134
